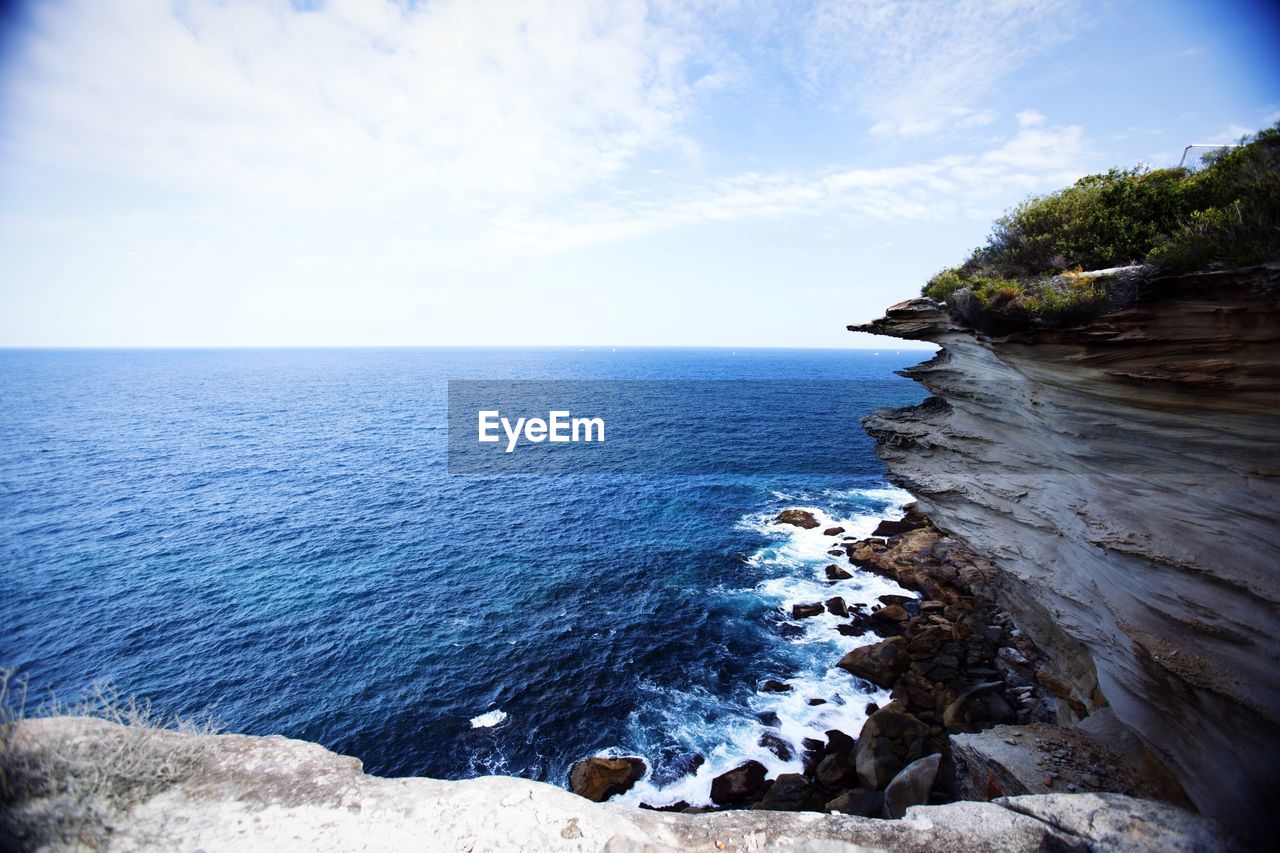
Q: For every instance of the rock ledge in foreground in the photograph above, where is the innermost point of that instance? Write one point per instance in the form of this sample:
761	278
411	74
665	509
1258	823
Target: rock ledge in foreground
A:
273	794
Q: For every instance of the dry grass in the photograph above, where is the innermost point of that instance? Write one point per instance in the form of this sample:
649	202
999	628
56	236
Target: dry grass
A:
66	788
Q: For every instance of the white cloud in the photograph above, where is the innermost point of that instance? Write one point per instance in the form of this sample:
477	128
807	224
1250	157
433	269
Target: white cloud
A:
1034	160
1231	135
1030	118
437	117
358	103
978	119
187	171
914	67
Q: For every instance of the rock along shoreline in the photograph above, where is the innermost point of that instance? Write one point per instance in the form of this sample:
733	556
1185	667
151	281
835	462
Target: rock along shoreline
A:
975	709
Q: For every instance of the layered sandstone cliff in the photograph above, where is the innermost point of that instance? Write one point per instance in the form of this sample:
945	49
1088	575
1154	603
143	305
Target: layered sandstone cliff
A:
1124	476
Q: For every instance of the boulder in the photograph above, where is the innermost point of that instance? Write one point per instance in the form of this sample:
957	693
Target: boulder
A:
773	685
912	786
776	745
804	611
942	668
928	641
877	762
992	708
917	693
890	615
769	718
837	607
833	531
836	573
836	771
880	663
791	792
598	778
812	752
893	528
894	599
851	629
891	739
838	743
739	785
956	713
862	554
858	801
797	517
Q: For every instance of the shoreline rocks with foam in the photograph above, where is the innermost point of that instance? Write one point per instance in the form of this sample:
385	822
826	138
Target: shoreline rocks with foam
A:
966	695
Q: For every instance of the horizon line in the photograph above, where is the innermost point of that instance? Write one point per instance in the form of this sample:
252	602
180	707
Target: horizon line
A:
575	347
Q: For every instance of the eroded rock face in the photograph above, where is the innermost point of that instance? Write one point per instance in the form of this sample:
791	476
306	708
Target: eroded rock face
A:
1122	475
274	794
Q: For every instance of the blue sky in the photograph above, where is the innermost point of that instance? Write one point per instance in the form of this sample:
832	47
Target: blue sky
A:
259	172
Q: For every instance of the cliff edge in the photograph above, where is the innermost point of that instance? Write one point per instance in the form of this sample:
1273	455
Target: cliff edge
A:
132	788
1122	474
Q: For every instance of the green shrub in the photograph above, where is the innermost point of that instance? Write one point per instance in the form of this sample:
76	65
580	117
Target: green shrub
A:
1101	221
1224	215
1238	223
946	283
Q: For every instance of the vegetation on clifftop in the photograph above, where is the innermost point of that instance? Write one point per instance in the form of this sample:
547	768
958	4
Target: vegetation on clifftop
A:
1032	268
81	785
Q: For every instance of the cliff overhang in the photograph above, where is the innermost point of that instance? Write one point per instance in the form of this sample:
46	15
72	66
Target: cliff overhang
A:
1121	474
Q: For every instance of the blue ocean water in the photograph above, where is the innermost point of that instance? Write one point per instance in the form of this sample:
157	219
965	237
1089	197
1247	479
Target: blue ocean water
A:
273	536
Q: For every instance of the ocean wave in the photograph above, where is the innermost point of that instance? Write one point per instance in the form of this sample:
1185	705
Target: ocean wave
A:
727	733
489	719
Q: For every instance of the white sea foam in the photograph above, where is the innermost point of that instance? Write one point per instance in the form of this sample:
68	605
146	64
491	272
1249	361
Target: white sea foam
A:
794	560
489	719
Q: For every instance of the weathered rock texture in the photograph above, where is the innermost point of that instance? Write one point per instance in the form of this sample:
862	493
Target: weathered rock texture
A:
241	793
1123	476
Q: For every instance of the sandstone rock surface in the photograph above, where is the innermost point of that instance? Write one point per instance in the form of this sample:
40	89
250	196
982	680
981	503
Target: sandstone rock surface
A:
273	794
1122	476
1040	759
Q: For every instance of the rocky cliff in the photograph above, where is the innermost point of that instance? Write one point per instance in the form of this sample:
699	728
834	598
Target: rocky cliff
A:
129	788
1124	477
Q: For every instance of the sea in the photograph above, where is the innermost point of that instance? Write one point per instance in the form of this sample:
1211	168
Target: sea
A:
277	538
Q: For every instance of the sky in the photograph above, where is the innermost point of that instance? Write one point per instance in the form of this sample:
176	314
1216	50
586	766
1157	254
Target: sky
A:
594	173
